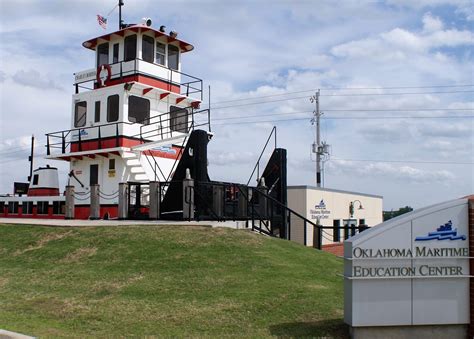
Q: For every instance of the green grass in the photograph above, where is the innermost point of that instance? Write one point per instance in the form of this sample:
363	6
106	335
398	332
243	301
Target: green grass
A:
165	281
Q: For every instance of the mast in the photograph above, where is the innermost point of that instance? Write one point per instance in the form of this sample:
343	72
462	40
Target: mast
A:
120	4
30	158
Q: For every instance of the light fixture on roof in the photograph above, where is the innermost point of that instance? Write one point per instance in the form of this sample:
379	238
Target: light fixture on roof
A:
173	34
147	21
162	28
128	86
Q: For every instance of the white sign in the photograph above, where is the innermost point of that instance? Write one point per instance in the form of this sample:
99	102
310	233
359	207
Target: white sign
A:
85	76
412	270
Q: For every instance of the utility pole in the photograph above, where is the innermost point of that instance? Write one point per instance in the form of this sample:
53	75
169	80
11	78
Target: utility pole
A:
30	158
120	4
317	144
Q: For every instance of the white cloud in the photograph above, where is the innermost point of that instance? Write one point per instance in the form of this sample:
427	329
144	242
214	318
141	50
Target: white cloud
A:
432	23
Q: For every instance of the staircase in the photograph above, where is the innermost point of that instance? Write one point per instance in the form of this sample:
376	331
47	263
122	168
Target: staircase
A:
133	163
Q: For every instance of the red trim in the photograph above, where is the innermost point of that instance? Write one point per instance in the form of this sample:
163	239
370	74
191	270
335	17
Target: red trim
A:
178	100
122	142
48	192
161	84
83	212
163	95
195	104
146	90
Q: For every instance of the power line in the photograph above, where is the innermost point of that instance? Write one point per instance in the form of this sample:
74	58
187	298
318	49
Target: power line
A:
339	95
343	89
406	161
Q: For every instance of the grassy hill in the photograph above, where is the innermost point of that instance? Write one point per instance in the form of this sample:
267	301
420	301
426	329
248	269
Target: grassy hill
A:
165	281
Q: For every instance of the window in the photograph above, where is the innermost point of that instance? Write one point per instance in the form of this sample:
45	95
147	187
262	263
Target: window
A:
148	48
160	53
138	110
173	57
80	113
59	207
13	207
103	54
97	111
113	108
336	236
42	207
2	207
35	179
361	221
116	54
27	207
130	48
178	119
111	164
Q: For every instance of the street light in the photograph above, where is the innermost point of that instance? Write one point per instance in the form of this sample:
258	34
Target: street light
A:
351	207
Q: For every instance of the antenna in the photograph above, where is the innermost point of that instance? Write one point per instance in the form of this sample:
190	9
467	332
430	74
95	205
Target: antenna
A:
30	158
120	4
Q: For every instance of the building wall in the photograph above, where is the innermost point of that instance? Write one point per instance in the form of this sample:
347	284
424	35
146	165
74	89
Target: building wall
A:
329	205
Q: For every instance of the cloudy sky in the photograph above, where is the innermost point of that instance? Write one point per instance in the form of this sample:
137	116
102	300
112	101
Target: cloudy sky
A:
396	80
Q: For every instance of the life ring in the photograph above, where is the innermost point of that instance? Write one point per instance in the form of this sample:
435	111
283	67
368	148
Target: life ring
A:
109	74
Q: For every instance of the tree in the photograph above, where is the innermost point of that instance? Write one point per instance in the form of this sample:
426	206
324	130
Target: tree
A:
392	214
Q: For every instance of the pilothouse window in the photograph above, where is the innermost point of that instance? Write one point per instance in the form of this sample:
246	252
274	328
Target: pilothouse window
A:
80	113
130	47
148	48
160	53
103	54
173	57
138	110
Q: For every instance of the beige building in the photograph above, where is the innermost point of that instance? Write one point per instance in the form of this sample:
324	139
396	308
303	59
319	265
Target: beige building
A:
334	209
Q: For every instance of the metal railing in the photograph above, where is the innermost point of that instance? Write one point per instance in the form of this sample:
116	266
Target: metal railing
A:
188	85
167	127
257	165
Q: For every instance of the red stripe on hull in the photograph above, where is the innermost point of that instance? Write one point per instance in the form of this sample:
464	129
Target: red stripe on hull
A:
44	192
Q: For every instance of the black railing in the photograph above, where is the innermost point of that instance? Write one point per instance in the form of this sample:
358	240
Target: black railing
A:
257	165
188	84
168	127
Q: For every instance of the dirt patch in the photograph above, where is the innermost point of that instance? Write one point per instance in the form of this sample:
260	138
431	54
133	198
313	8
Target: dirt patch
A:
105	289
43	241
79	254
3	281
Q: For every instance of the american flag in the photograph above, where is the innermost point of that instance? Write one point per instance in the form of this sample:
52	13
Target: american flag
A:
102	21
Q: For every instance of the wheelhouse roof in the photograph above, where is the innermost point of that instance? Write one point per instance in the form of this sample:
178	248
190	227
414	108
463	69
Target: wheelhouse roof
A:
183	46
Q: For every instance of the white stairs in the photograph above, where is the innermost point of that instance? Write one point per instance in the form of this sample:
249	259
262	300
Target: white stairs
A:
133	163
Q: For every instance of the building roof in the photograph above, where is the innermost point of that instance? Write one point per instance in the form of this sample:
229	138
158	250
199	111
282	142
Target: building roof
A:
183	46
334	190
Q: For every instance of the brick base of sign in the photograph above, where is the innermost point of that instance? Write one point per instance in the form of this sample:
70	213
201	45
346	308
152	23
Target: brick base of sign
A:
336	249
471	263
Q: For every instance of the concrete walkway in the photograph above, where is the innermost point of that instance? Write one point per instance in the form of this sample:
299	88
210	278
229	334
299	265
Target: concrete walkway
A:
4	334
115	223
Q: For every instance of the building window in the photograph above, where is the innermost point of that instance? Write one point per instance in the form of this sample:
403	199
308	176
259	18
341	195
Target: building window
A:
2	207
178	119
336	227
103	54
35	179
13	207
80	113
116	54
130	48
173	57
27	207
361	221
160	53
111	164
138	110
97	111
42	207
113	108
59	207
148	45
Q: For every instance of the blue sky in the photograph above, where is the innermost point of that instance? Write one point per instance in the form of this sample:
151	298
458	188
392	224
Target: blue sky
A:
282	51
